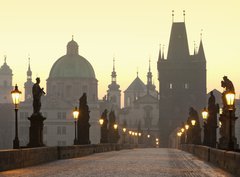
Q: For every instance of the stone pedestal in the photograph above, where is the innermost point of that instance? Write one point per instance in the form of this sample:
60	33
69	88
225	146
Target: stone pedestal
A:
224	140
36	130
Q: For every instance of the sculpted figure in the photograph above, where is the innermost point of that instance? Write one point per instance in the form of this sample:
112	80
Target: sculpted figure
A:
37	93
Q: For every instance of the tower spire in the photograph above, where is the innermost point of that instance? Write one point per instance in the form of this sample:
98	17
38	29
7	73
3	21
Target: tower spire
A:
163	52
5	58
184	15
29	72
137	71
160	53
149	68
114	74
173	16
113	63
194	47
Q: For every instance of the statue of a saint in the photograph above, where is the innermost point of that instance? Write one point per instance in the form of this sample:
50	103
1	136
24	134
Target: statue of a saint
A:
226	83
37	93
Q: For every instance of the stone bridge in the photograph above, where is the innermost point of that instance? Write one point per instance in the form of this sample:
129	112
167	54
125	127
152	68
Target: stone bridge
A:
149	162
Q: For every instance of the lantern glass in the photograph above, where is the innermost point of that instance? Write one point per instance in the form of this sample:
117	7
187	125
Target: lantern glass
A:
16	95
75	113
193	122
186	126
101	121
230	98
124	130
182	130
115	126
205	114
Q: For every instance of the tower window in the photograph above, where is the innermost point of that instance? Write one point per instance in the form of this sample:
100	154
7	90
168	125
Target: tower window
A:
170	86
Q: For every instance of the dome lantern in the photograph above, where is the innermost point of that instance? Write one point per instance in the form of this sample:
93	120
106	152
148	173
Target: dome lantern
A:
72	48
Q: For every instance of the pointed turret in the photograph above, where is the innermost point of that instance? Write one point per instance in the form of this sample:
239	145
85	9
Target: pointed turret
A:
201	53
178	45
113	92
28	84
29	72
160	54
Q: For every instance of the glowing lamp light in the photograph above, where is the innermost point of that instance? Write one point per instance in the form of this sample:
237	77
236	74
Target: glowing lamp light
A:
130	132
157	139
139	134
220	110
101	121
230	98
115	126
75	113
16	95
205	114
179	134
157	143
193	122
148	136
220	124
124	130
182	130
135	133
186	126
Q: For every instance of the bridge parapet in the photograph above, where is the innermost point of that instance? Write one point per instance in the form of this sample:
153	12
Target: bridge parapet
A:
19	158
227	160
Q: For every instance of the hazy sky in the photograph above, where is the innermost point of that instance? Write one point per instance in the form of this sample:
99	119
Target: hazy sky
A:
130	30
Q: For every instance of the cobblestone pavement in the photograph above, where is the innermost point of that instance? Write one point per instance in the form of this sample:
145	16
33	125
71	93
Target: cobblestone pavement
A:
125	163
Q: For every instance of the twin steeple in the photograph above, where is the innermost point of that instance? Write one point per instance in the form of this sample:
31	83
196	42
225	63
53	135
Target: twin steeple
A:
178	48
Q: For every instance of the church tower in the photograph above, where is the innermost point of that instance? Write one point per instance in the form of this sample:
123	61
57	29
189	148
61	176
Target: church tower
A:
182	82
151	88
28	85
5	82
113	92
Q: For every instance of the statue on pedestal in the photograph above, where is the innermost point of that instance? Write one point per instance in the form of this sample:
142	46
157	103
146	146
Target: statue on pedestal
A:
36	119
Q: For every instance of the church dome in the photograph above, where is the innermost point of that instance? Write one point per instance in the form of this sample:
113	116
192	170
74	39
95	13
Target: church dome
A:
72	65
5	69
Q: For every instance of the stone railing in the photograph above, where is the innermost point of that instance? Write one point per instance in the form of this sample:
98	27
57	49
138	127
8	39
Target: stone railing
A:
227	160
19	158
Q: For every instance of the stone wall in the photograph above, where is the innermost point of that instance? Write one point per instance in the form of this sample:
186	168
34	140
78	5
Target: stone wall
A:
227	160
19	158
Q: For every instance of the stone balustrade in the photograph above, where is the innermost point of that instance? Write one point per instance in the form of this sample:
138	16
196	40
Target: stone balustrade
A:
24	157
227	160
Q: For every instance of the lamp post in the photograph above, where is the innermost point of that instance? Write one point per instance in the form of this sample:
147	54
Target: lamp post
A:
75	116
186	137
124	134
16	99
205	126
230	98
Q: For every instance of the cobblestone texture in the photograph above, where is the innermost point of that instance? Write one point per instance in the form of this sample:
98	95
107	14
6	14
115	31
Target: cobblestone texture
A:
125	163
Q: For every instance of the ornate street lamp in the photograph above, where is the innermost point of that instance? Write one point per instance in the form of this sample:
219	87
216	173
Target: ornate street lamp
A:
230	98
206	139
16	100
193	122
205	114
115	126
101	121
124	134
182	130
75	116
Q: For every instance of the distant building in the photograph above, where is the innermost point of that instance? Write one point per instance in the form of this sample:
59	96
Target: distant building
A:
70	76
5	83
182	81
141	107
